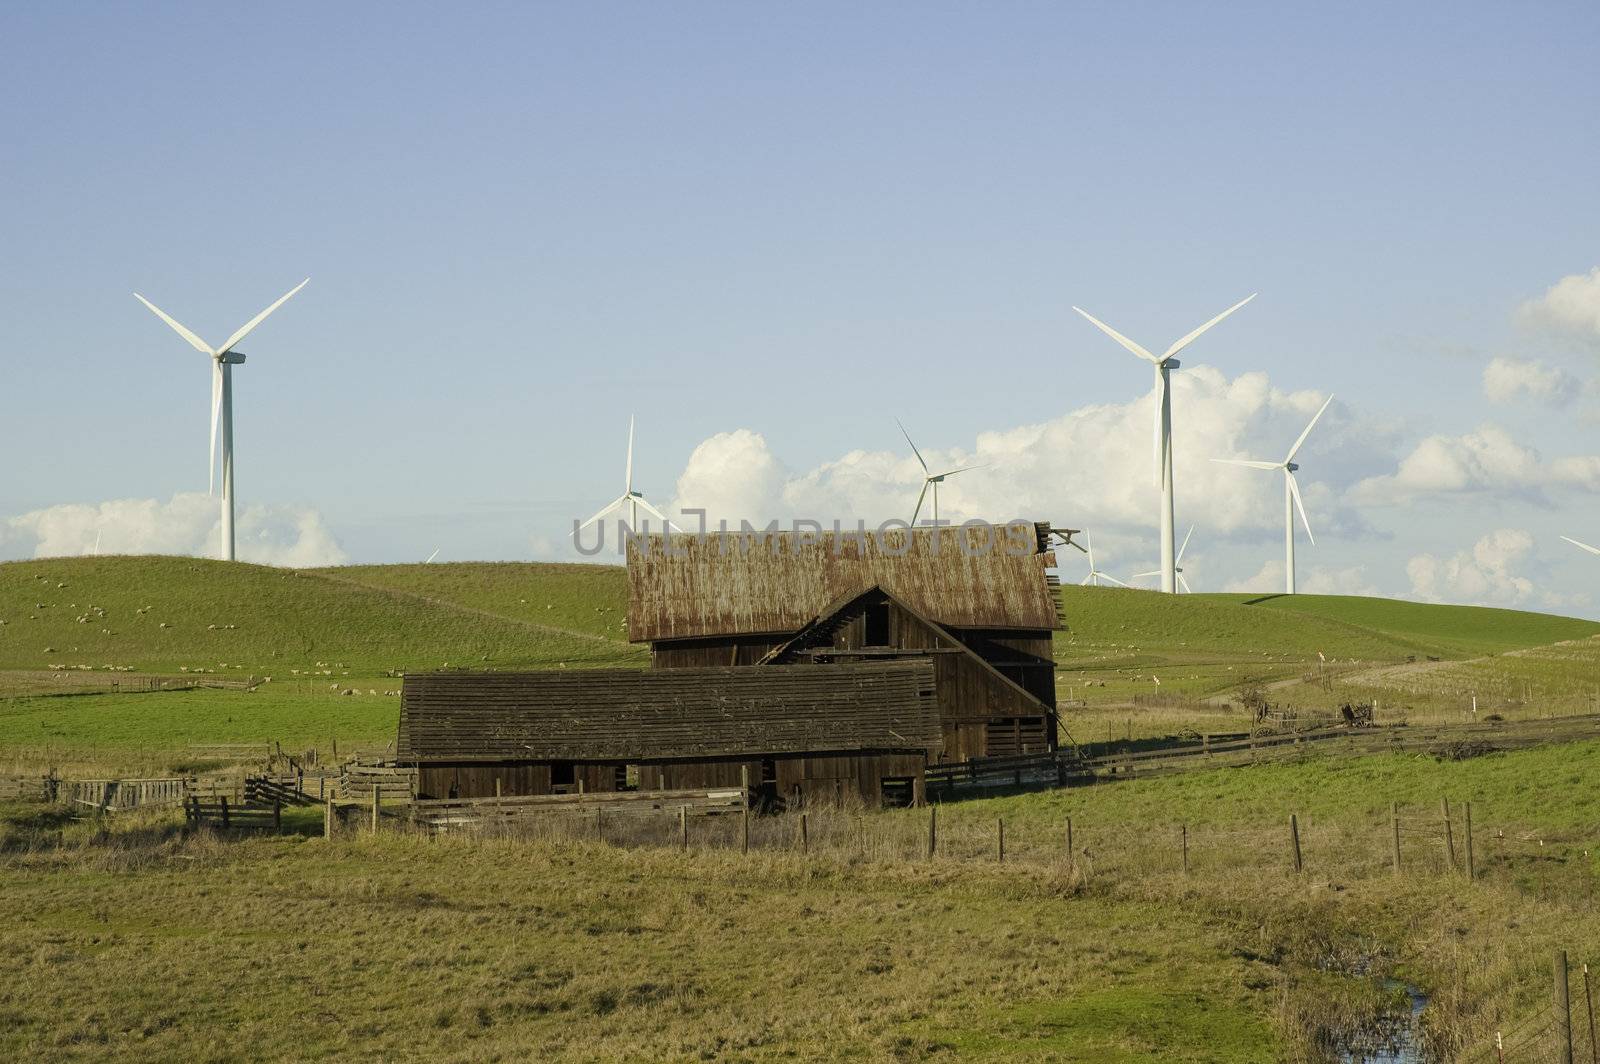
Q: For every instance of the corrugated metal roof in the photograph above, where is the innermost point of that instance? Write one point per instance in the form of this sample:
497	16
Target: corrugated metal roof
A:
730	585
625	714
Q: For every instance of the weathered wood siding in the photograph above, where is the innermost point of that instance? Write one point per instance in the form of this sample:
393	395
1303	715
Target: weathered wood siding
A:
626	715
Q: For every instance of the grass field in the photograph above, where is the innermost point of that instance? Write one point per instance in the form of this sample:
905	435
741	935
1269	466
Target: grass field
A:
136	942
139	943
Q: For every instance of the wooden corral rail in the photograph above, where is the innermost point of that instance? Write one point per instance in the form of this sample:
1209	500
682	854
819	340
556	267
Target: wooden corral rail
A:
117	795
395	783
26	788
991	773
444	814
229	815
1444	740
262	790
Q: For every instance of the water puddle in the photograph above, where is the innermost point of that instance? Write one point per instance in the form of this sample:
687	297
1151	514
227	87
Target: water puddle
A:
1394	1037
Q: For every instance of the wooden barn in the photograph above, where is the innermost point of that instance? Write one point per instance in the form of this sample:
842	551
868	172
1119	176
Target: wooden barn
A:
828	731
978	604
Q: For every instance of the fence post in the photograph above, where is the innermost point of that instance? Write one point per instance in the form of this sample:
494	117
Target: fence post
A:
1183	832
1000	838
933	830
683	827
1294	840
374	808
744	830
1563	1007
1449	835
1466	827
1588	1008
1394	823
327	819
224	810
805	839
1072	856
277	814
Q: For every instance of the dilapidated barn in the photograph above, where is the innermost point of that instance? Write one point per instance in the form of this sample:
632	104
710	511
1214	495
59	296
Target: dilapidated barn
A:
813	666
797	732
980	604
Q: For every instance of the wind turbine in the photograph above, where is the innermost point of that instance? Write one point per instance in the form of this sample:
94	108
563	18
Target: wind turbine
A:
634	500
1095	575
432	556
928	477
1163	427
223	359
1291	495
1177	566
1582	546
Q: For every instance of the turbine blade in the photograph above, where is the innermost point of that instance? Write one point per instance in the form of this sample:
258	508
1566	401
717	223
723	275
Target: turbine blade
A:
1118	337
922	495
1088	578
1187	340
1090	551
432	556
244	330
216	410
598	514
1114	580
629	474
1141	576
1582	546
1248	462
1294	490
1187	590
914	450
1301	441
651	510
1185	546
194	341
963	469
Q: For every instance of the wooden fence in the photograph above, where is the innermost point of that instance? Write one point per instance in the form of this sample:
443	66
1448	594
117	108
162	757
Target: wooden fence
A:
439	815
229	815
119	795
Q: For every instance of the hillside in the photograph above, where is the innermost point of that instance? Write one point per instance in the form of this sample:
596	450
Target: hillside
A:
161	614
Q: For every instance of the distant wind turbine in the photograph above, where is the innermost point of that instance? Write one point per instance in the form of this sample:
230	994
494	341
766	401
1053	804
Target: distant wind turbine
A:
1095	575
928	477
1582	546
1291	495
1163	428
634	500
432	556
223	359
1177	566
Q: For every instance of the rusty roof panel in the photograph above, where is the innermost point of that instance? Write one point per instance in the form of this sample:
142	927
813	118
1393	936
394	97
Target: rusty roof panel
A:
734	584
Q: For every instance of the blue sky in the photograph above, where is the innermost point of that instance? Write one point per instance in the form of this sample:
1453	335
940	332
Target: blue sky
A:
524	222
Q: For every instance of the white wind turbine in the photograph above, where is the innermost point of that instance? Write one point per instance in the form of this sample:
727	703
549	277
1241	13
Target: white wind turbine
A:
1291	495
1177	566
1582	546
1163	428
928	477
634	500
1095	575
223	359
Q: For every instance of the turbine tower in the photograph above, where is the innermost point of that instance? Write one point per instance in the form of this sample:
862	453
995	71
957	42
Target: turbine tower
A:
1177	566
1291	496
1095	575
223	359
1163	428
634	500
1582	546
928	477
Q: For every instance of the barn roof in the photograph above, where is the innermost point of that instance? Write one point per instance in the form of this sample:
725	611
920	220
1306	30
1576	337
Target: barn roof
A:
626	714
732	584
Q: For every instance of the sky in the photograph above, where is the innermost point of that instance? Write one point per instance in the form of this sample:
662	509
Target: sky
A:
767	231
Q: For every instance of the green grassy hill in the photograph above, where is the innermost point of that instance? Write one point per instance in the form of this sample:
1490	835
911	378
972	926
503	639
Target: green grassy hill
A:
1133	655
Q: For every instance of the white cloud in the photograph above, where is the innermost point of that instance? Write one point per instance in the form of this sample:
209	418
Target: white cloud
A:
1481	576
187	524
1506	380
1092	467
1488	460
1570	308
1316	581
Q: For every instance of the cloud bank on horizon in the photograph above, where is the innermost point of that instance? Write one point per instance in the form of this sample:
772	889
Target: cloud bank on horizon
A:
186	524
